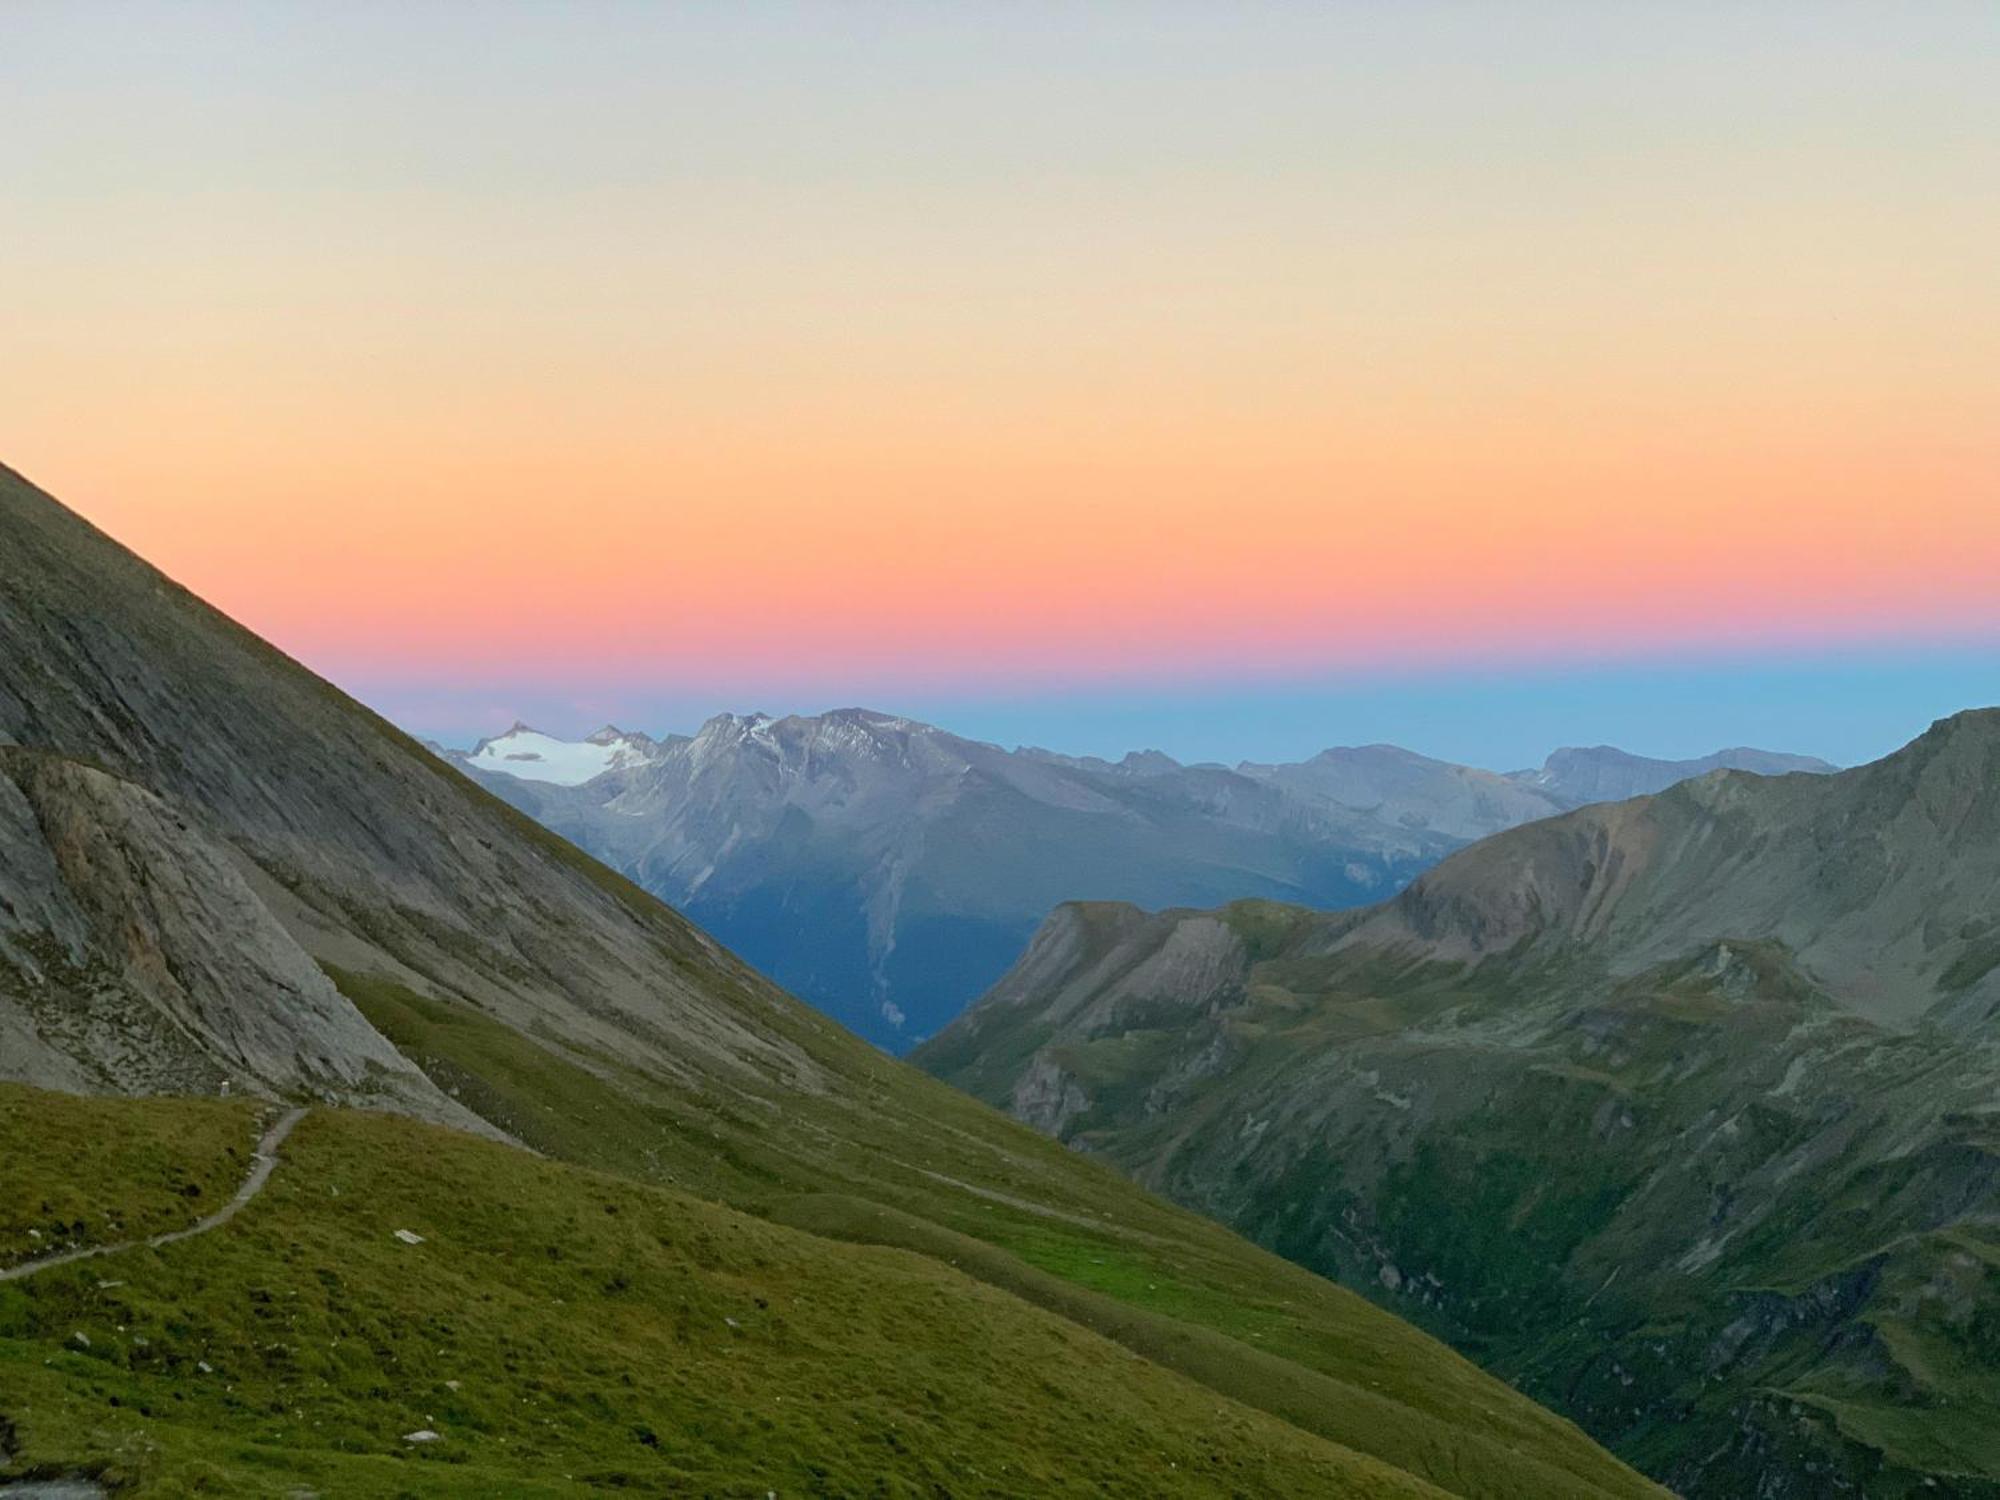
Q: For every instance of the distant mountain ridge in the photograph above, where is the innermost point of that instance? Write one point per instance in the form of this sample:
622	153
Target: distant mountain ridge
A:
888	870
1603	773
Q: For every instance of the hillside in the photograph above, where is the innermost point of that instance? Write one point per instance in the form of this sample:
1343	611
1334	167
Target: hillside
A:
888	871
726	1355
1677	1112
221	869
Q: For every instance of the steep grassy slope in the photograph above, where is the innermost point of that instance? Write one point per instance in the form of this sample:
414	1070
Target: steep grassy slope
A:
923	1168
1680	1113
529	992
565	1332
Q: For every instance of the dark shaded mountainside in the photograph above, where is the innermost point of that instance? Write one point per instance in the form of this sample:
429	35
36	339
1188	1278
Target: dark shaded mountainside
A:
1681	1113
744	1252
889	871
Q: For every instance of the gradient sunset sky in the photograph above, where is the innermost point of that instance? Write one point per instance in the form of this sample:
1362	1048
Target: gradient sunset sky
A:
1236	379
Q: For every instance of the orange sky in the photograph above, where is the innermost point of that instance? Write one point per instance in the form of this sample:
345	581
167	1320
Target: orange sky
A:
755	344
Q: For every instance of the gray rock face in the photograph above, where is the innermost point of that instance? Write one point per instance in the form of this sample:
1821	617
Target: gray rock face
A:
131	947
206	816
1678	1110
888	870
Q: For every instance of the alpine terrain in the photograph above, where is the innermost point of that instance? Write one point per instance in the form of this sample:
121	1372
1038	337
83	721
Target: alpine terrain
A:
1679	1113
423	1155
889	871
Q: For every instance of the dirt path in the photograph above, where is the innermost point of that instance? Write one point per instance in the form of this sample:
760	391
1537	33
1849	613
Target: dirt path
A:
262	1162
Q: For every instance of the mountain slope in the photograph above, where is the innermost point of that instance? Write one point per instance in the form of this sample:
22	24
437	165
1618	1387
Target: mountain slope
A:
124	934
800	1365
888	871
190	812
1876	882
365	848
1678	1112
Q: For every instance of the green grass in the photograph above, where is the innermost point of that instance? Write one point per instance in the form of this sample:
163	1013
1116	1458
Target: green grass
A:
935	1156
1029	1322
1204	1333
595	1116
72	1175
571	1332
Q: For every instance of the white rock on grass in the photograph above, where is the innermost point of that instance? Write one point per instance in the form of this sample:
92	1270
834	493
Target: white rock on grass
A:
422	1435
408	1237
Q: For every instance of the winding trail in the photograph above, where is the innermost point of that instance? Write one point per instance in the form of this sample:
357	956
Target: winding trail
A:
262	1162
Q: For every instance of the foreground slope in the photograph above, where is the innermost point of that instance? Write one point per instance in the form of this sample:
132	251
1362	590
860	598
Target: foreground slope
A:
562	1332
1680	1112
207	802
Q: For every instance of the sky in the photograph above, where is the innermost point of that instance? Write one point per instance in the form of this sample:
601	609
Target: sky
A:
1235	380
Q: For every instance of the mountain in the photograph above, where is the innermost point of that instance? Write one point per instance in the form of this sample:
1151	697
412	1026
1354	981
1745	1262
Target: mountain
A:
691	1237
1678	1113
1411	790
889	871
349	845
1573	777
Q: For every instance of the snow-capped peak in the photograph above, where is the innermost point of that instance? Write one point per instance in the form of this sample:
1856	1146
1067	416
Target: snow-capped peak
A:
534	756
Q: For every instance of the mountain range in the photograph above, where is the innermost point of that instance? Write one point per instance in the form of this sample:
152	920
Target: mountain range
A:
889	871
1677	1112
576	1201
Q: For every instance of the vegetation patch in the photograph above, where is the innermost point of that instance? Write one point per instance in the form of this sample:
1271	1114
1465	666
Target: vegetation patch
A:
73	1174
566	1332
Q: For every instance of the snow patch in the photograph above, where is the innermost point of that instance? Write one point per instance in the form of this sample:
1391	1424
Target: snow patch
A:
533	756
